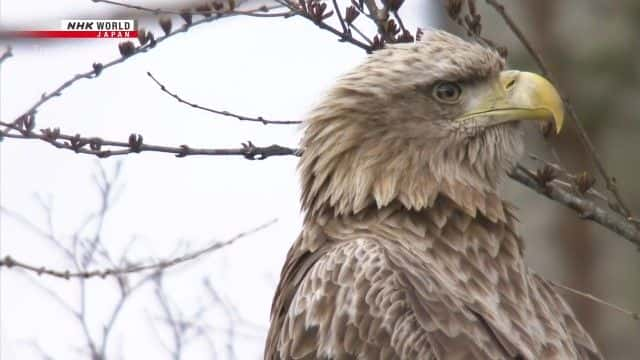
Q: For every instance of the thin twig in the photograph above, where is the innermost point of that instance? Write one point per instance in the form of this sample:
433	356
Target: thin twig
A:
97	349
229	312
259	119
125	295
175	325
185	329
631	314
399	20
99	68
54	295
232	311
105	185
345	30
344	36
353	27
584	137
6	54
208	12
38	349
9	262
379	17
45	234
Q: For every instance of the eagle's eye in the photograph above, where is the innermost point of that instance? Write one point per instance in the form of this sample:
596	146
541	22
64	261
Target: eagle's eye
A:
447	92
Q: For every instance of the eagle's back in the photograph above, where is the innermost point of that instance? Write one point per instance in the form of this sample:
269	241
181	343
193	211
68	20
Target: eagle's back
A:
435	284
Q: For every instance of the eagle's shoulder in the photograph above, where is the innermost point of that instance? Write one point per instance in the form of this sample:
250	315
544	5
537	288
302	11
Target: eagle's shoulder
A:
346	302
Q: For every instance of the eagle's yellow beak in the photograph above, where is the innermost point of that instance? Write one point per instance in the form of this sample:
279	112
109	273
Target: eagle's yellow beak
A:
516	96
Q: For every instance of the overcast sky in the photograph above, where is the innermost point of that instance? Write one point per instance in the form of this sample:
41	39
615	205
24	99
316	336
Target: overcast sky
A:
273	68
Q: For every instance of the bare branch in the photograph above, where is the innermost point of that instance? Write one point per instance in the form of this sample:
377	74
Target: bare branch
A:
187	328
86	250
585	208
175	325
631	314
215	8
353	27
379	16
39	350
314	11
52	294
259	119
471	21
95	145
389	30
343	24
6	54
575	179
45	234
125	294
9	262
106	185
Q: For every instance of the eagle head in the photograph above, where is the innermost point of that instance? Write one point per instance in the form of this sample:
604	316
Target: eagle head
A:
416	120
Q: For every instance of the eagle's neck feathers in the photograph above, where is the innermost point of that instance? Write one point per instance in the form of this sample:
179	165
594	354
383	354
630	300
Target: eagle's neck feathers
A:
347	167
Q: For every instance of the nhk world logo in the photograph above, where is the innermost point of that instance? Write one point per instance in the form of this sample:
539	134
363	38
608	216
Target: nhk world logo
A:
104	29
